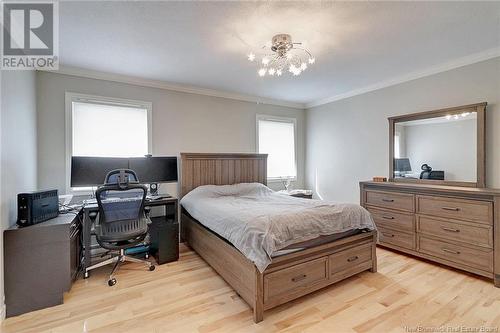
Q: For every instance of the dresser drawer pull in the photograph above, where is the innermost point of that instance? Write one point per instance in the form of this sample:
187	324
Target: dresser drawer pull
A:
454	209
450	229
351	259
388	217
450	251
388	200
299	278
388	235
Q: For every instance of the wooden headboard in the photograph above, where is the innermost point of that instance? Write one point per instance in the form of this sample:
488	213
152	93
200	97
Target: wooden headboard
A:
221	169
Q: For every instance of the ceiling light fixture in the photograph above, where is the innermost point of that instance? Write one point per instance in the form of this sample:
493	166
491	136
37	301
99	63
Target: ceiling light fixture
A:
286	56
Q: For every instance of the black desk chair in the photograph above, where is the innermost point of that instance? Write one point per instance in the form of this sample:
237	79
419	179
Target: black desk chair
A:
122	222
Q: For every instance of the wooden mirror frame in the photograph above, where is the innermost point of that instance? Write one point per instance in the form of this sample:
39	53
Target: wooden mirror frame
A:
480	109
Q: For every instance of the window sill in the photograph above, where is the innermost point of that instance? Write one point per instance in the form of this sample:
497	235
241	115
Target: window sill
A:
81	192
280	180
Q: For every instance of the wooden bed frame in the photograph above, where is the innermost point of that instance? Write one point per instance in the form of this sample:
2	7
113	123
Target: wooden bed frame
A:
288	276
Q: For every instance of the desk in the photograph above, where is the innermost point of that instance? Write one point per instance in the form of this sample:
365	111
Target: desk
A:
170	217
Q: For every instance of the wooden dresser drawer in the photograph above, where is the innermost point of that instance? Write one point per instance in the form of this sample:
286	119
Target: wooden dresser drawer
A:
472	233
398	238
392	219
399	201
462	209
473	257
294	278
350	258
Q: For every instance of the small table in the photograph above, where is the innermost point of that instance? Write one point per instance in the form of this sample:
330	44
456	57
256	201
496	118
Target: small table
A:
306	194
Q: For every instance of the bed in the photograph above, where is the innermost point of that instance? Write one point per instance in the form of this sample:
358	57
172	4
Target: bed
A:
292	269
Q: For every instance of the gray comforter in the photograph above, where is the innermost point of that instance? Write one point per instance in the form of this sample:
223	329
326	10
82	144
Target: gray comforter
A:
259	221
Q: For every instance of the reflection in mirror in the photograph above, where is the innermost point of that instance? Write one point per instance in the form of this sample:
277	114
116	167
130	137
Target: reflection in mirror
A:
441	148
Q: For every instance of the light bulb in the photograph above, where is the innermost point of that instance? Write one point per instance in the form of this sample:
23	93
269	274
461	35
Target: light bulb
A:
251	56
303	66
265	61
271	71
294	70
279	72
311	60
262	72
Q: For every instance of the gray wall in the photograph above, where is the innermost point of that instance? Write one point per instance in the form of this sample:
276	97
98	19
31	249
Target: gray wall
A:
182	122
347	140
18	167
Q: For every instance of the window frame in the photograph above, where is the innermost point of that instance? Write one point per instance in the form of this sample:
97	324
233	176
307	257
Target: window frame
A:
71	97
289	120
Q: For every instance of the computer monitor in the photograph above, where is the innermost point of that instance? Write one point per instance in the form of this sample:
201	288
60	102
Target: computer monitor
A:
91	171
157	169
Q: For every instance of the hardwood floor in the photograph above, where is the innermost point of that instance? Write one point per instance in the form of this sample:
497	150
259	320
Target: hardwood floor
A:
188	296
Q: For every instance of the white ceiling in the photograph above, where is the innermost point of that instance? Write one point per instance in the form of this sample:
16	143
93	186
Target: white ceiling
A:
204	44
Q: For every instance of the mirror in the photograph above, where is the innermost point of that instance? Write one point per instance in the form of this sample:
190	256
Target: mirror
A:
441	147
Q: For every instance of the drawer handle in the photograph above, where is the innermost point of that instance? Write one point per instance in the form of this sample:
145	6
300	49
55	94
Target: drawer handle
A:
450	229
388	217
351	259
454	209
388	235
450	251
388	200
299	278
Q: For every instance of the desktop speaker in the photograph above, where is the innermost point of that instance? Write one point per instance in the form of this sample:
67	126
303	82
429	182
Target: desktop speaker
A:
36	207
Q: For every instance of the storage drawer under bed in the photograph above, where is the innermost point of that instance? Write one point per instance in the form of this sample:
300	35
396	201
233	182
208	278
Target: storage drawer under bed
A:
280	283
317	273
346	260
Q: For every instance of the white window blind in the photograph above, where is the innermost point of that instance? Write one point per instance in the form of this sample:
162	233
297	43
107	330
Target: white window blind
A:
109	130
277	139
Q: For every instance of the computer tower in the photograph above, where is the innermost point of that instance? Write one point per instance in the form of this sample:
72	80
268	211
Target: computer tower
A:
164	237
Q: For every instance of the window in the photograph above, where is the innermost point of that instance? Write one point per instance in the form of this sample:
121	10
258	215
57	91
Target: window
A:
276	137
397	149
106	127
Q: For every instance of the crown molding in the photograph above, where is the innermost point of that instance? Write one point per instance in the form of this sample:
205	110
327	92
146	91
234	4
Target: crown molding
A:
456	63
98	75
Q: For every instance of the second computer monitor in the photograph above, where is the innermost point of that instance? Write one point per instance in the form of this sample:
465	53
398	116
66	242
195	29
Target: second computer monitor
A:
155	169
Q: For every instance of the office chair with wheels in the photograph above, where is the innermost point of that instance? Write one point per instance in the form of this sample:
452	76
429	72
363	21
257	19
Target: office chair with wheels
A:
122	223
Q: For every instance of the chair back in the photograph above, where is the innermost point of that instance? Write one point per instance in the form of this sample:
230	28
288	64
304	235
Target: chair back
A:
121	202
121	176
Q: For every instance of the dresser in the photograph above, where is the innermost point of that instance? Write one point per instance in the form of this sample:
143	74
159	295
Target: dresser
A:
452	225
